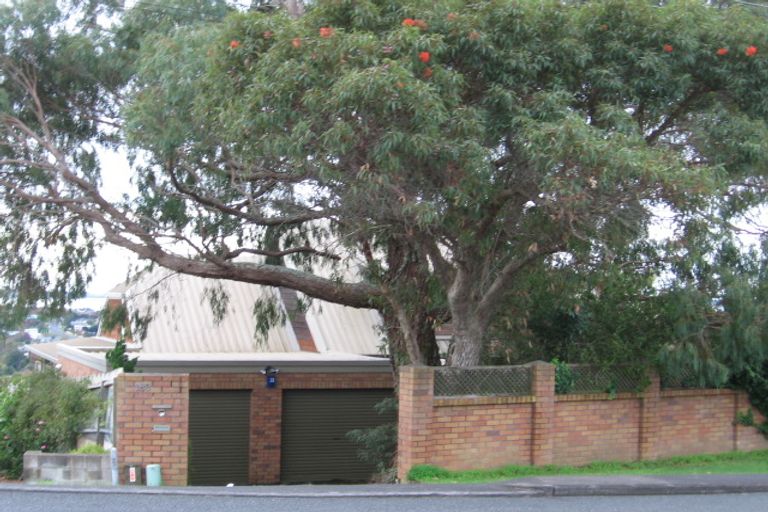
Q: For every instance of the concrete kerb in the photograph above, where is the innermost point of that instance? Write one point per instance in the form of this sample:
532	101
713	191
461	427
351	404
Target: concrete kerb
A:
644	485
396	491
527	487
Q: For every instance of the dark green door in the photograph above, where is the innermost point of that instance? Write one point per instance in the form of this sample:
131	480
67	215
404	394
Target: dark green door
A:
314	443
219	437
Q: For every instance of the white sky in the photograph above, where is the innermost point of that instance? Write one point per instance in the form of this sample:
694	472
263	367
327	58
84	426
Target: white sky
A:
112	262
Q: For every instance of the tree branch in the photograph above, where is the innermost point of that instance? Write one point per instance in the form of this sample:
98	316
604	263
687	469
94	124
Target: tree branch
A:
681	108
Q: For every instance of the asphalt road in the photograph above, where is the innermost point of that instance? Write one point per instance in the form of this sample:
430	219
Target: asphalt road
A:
85	502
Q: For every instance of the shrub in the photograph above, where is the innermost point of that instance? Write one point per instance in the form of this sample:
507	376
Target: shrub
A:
41	411
118	358
89	449
378	445
563	377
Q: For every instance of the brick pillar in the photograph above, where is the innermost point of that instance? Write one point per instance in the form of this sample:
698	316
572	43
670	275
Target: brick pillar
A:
266	424
152	423
415	395
649	418
543	390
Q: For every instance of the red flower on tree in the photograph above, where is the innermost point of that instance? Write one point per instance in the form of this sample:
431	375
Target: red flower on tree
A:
722	51
751	51
411	22
667	48
424	57
267	34
296	42
233	44
326	31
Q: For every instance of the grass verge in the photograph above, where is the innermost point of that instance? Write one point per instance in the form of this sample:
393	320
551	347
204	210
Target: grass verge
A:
731	462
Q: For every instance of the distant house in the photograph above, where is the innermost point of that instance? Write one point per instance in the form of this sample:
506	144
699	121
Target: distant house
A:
200	403
75	357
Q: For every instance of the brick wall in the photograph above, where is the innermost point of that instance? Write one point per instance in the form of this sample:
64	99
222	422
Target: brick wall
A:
138	441
74	369
748	438
266	408
143	436
474	432
696	421
585	429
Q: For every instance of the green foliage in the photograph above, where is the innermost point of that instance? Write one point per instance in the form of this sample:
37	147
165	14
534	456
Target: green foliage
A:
378	445
90	449
12	359
118	358
745	418
563	377
114	318
755	382
607	313
41	411
462	158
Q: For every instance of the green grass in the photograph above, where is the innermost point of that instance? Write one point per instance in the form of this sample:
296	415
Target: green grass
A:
732	462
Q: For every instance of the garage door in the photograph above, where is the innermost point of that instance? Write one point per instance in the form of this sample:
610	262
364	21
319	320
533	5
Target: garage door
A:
219	426
314	443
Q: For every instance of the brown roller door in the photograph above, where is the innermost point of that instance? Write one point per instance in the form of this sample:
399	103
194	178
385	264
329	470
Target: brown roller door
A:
314	443
219	427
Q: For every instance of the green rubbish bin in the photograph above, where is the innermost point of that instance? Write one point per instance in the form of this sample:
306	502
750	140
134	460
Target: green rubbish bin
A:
154	475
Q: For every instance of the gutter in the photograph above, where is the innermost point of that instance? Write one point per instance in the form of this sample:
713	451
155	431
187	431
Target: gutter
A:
255	366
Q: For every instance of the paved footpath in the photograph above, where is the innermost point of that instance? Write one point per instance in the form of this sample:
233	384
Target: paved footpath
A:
524	487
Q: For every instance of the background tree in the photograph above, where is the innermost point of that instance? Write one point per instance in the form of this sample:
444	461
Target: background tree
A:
418	159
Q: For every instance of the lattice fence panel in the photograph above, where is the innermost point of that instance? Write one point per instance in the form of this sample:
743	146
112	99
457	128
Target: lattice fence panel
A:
596	379
484	381
686	378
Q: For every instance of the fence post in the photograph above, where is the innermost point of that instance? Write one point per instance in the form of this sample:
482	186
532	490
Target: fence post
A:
415	395
649	417
543	390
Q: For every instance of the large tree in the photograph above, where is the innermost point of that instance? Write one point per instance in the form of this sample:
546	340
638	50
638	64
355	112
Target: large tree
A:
414	158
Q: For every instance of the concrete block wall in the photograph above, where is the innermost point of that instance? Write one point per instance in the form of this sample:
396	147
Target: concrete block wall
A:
67	469
143	435
480	432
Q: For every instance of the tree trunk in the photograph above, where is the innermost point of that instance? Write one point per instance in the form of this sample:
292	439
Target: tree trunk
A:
469	323
414	344
467	346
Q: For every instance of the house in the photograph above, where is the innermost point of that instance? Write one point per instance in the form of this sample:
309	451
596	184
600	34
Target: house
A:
76	357
213	403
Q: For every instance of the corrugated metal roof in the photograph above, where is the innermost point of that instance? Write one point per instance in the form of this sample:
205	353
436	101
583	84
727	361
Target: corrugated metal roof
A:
337	328
182	320
50	351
